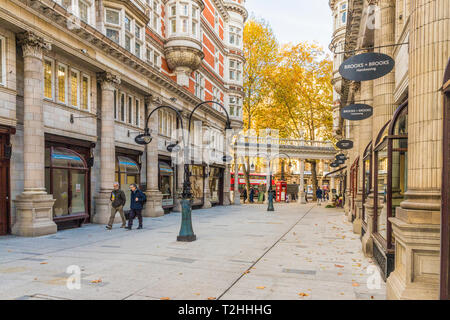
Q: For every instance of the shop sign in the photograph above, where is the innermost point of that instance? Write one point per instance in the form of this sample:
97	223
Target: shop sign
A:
341	156
357	112
344	144
366	66
340	162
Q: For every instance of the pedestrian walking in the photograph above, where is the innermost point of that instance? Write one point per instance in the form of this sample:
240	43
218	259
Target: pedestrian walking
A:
319	196
244	194
306	196
252	194
118	200
137	200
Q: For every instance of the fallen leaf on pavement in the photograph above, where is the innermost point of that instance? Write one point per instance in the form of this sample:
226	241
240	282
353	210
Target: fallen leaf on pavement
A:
355	284
44	262
96	281
211	298
302	294
339	273
260	287
338	266
197	294
165	298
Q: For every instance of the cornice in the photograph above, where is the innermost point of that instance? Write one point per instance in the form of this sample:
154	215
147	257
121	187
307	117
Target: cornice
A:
238	8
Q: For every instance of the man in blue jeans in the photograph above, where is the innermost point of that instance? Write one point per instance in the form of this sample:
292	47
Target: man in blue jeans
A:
137	199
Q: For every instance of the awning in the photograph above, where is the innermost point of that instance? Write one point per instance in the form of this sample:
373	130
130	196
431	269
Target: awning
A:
335	171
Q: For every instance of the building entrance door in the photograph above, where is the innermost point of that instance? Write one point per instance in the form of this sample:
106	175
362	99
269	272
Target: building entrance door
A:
4	183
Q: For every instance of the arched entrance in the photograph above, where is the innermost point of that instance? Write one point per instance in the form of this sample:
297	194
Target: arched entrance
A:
445	200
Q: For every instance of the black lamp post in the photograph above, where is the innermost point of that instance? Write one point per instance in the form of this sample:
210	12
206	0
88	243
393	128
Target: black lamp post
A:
186	231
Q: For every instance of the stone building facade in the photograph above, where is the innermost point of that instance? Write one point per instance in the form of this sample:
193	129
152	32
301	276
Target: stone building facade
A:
395	169
77	81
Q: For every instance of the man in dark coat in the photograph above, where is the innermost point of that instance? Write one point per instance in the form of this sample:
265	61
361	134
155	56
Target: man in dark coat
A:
137	199
319	195
244	194
252	194
118	200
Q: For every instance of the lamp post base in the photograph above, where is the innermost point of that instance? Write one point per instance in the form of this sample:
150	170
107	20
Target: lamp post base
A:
186	231
187	238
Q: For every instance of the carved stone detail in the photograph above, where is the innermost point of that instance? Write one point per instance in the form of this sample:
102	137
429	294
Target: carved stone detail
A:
108	81
32	44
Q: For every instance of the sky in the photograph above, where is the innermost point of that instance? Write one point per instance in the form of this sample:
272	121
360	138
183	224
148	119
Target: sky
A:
295	20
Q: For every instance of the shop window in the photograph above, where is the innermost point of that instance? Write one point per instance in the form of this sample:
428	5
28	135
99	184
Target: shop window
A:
197	184
367	185
66	178
391	160
166	184
215	183
127	172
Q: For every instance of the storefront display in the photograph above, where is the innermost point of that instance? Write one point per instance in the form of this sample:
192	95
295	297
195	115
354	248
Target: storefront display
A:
197	184
166	184
66	178
367	185
127	172
215	184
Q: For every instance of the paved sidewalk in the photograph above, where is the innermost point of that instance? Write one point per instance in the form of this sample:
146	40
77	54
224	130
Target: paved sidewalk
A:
298	252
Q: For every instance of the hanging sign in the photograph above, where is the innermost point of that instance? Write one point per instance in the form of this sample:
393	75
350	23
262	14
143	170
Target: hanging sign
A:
357	112
366	66
341	156
344	144
334	165
340	161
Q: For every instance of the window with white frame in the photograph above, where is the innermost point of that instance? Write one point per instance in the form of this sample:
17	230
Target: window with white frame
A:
235	70
137	107
235	36
48	78
75	88
343	13
234	106
85	92
2	61
130	33
80	8
156	60
183	18
195	19
62	79
166	123
154	15
149	55
199	85
112	24
130	110
122	107
116	92
173	19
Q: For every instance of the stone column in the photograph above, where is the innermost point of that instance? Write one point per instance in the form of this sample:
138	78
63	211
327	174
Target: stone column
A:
302	182
332	186
416	227
153	207
207	192
206	158
226	185
108	83
34	215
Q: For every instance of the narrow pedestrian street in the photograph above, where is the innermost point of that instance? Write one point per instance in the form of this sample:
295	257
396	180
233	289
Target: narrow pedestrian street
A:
298	252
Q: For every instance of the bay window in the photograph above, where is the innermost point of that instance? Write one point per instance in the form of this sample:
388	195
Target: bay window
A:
234	106
235	36
235	70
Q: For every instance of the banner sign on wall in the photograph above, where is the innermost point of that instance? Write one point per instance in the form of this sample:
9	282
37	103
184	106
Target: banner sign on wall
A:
341	156
344	144
366	66
357	112
334	165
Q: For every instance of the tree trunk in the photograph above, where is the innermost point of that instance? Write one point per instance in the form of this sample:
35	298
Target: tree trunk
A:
314	177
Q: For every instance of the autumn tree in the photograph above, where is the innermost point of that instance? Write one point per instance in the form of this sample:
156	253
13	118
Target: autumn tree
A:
301	95
261	53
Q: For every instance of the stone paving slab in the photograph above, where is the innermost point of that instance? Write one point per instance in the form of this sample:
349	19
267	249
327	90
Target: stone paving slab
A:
296	249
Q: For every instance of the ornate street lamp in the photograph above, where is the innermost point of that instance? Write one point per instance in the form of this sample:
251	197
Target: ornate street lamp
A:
186	231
